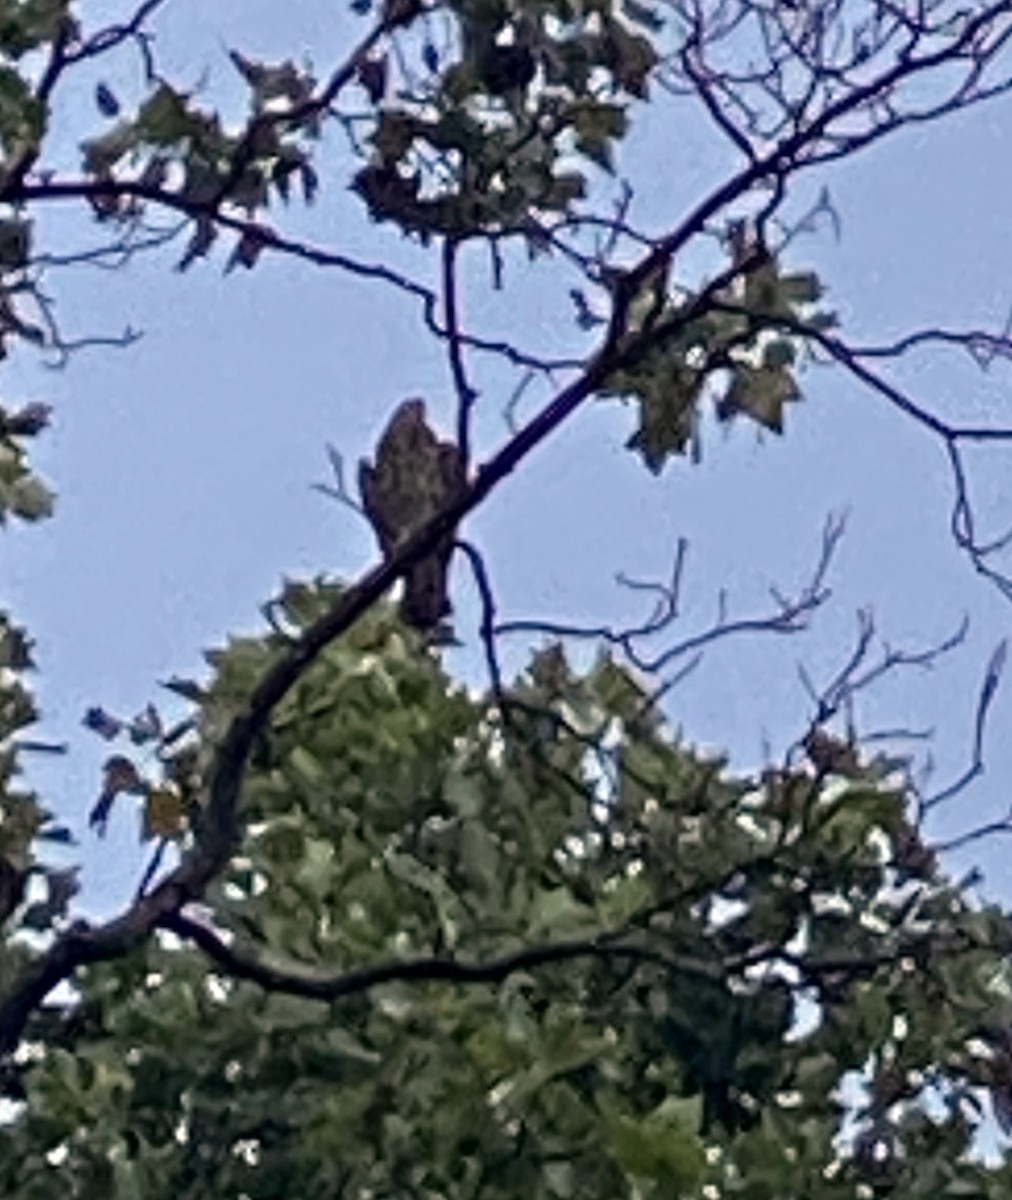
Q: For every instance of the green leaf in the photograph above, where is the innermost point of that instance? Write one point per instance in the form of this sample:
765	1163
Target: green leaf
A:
556	912
101	154
283	843
643	14
28	24
596	127
804	287
30	499
565	188
657	1149
22	115
779	354
631	58
668	393
163	118
481	856
760	393
395	132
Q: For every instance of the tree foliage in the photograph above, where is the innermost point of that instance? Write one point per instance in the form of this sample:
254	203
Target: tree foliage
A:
470	945
406	938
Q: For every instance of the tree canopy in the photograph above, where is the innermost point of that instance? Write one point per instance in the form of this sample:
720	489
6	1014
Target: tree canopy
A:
472	945
405	936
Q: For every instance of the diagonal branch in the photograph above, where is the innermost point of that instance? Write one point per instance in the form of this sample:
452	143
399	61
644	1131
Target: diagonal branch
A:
790	614
220	827
426	968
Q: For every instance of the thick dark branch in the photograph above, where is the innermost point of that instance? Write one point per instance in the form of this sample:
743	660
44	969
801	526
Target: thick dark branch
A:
219	823
270	239
487	630
220	829
328	988
797	150
114	35
98	189
426	969
220	826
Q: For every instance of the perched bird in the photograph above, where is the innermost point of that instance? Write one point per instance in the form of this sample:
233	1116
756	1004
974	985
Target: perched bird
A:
415	476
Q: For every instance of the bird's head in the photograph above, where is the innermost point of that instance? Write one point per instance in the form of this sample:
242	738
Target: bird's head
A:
409	413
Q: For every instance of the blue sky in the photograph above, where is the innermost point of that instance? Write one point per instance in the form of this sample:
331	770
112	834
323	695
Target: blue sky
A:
183	465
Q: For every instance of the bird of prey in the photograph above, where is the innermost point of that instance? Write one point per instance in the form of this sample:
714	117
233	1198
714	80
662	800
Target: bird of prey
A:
415	476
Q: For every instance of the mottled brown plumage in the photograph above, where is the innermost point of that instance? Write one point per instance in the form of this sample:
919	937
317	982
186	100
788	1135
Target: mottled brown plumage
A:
415	476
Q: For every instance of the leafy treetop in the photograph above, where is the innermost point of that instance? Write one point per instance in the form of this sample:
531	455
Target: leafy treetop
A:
525	944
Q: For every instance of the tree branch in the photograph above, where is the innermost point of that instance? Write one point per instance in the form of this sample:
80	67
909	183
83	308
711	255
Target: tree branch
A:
427	969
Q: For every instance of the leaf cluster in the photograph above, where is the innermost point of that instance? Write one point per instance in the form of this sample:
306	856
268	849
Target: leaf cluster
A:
710	958
481	145
739	344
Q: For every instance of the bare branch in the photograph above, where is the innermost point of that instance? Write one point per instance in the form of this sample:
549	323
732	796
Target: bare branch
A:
802	139
790	615
113	255
466	395
988	691
115	35
487	630
299	114
339	490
